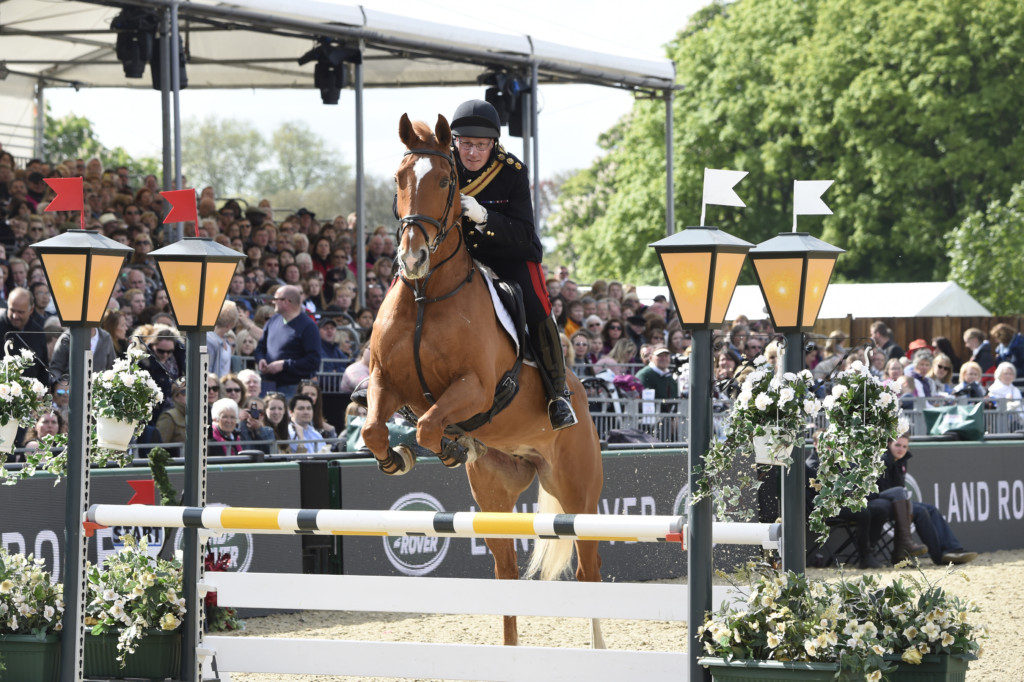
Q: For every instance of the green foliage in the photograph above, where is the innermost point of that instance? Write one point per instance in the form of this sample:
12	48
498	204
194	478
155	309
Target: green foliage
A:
73	137
982	254
912	107
158	459
295	167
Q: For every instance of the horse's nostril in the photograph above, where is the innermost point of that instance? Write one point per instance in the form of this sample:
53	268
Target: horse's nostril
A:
421	258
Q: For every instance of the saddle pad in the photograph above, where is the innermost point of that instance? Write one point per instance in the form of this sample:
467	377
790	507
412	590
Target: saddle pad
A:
503	315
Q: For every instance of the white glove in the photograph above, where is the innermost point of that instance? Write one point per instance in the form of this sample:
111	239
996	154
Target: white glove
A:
472	209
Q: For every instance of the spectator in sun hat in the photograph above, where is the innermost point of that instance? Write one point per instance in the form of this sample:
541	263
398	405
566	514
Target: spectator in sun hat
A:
916	345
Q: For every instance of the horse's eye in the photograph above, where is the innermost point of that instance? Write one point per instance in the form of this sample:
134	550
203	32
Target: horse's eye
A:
444	182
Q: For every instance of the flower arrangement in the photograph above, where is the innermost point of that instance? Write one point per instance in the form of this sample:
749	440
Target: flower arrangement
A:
29	603
863	414
21	396
132	593
862	626
769	404
126	392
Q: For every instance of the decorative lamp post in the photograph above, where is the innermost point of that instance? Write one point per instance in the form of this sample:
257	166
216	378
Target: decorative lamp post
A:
793	272
701	265
196	273
81	268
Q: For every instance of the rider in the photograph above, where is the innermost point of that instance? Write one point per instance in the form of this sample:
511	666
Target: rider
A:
496	204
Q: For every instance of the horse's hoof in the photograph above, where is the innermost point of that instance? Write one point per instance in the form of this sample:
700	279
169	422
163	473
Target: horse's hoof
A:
453	454
400	461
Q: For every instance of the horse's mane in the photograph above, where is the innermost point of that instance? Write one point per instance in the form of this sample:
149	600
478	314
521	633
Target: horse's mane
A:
425	133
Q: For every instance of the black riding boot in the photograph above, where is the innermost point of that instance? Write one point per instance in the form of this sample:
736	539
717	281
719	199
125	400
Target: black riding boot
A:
551	363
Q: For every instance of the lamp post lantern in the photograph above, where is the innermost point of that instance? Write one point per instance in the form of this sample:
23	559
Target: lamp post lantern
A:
701	265
196	273
793	272
81	269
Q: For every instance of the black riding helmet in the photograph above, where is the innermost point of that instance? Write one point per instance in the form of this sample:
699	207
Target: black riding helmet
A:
476	118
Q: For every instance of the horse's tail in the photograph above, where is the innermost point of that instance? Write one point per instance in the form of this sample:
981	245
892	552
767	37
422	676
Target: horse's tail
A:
550	558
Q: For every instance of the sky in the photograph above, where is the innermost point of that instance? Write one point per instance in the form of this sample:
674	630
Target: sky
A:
571	117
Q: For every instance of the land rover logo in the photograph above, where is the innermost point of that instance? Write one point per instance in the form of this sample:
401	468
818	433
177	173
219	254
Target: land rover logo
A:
416	555
914	488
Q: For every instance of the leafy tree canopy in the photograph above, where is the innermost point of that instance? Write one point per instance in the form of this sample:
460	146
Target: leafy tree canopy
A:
73	137
913	107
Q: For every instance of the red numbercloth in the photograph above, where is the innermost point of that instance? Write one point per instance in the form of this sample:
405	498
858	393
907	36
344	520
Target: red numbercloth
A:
183	207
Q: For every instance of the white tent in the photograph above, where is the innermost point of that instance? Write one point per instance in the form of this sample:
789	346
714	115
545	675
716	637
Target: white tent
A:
877	300
256	44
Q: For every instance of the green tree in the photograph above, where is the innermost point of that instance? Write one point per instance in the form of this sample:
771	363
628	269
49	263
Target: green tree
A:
73	137
984	254
300	159
223	153
910	106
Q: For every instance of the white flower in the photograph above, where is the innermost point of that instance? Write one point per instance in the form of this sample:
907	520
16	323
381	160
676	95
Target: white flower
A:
811	406
857	366
48	612
903	425
806	374
762	401
884	399
789	376
5	391
16	390
828	402
774	640
838	391
932	630
760	360
785	395
947	639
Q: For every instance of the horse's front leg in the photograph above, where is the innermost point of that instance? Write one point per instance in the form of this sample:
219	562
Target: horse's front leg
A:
380	405
464	397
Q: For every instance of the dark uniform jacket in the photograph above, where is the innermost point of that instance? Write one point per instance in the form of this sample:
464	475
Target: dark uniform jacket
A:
895	473
502	187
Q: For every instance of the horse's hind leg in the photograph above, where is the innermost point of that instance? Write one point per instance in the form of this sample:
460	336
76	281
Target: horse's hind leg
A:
497	480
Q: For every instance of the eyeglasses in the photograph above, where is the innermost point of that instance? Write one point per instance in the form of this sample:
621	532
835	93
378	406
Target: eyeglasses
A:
61	391
615	328
162	353
143	243
232	389
945	367
213	388
479	146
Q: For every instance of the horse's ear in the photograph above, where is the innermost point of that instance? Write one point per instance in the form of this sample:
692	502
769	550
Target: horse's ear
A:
405	131
442	132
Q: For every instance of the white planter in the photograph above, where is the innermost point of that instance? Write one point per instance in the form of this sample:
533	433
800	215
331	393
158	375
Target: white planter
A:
8	432
769	449
114	434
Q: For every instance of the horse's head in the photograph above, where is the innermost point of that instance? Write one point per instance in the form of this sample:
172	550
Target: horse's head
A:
427	193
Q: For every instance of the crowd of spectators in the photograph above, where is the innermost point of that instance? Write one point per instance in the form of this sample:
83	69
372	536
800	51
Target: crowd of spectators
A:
292	318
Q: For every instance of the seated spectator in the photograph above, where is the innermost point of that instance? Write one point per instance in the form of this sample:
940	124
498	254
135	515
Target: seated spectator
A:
311	389
771	354
251	429
622	355
232	387
364	324
253	383
932	528
876	362
116	325
62	398
568	354
245	347
275	416
357	372
893	373
47	424
941	344
657	375
1011	346
581	354
300	426
679	341
881	335
942	373
981	351
738	335
165	362
918	383
572	317
330	349
171	423
970	381
593	325
223	435
1002	387
833	355
751	349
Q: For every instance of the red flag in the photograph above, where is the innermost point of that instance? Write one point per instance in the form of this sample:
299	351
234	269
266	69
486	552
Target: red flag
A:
183	206
145	492
70	195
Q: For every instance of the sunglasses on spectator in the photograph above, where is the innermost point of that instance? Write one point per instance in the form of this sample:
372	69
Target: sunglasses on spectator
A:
163	353
946	367
232	389
61	391
615	327
213	388
594	324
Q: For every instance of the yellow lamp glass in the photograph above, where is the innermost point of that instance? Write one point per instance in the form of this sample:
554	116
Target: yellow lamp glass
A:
218	279
688	274
780	282
66	272
819	270
103	273
183	279
727	272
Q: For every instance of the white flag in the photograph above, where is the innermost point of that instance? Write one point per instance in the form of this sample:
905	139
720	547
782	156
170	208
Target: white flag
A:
718	186
807	197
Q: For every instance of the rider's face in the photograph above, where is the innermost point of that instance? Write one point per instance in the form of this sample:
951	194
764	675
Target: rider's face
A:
474	151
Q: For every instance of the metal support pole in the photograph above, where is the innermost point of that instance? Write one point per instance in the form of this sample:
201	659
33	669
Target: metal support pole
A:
670	188
527	129
194	494
166	54
77	503
699	569
360	190
39	146
794	550
176	92
534	129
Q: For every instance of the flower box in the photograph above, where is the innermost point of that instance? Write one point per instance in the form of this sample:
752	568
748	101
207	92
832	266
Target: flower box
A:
932	668
30	658
756	671
157	656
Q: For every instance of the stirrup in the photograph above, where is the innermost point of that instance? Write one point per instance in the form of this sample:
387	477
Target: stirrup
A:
560	413
453	454
399	461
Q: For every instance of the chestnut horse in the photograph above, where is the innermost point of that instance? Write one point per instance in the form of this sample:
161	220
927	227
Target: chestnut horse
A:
463	354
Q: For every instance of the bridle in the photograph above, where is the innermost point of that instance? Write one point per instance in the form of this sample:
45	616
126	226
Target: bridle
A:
419	288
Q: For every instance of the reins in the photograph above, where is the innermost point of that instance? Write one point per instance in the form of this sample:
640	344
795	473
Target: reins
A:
419	288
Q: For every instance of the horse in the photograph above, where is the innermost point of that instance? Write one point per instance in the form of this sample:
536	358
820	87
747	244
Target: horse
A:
437	334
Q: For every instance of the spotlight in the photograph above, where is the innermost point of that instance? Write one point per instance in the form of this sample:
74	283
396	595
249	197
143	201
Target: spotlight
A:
506	96
155	69
330	74
136	29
